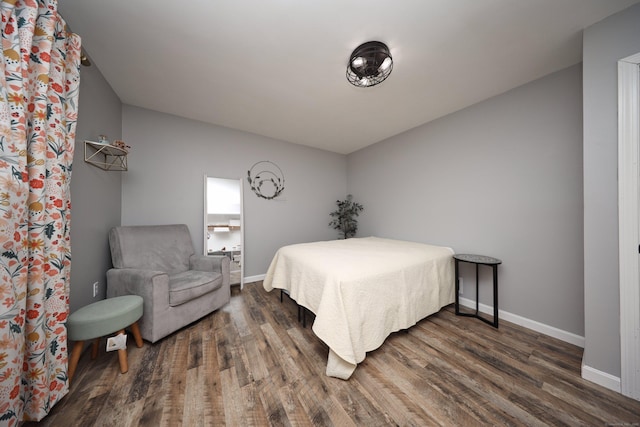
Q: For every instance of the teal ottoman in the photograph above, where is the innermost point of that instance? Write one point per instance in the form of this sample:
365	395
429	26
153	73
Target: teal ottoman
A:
106	317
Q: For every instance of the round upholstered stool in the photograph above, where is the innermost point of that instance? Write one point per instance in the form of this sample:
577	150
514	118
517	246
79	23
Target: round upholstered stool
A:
106	317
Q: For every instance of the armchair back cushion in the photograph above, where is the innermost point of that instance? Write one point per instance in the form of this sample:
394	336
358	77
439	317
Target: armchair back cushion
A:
164	248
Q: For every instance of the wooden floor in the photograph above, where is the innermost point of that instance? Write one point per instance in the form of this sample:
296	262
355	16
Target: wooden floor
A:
252	363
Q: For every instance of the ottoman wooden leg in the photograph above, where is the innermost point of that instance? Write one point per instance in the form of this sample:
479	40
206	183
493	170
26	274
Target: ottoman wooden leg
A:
135	330
94	348
75	356
122	357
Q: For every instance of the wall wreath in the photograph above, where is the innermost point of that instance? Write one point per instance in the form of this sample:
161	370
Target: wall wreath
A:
266	179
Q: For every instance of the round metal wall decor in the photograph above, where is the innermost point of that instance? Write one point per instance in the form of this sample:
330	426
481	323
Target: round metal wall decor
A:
266	179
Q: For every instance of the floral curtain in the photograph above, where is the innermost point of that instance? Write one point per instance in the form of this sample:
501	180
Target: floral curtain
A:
39	82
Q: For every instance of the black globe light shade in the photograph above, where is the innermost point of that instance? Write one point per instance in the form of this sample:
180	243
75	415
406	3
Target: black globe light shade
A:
369	64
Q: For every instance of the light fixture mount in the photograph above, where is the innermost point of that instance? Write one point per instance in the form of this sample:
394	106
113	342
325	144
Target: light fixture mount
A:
369	64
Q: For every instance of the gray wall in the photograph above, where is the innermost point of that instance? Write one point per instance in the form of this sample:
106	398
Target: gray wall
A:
500	178
95	194
165	182
604	44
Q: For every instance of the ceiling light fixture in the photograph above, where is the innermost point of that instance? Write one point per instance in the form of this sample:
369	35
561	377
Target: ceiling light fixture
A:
369	64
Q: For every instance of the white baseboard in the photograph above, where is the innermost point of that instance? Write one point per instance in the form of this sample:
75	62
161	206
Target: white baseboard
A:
601	378
528	323
251	279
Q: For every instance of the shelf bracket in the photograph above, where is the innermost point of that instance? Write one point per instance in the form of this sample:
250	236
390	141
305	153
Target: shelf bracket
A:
105	156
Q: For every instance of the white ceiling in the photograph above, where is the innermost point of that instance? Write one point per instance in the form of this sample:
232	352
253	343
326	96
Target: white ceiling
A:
277	67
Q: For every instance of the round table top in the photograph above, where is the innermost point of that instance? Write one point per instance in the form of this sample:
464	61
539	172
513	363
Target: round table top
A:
477	259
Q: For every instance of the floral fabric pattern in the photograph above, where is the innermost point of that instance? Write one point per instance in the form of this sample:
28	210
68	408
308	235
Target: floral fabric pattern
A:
39	83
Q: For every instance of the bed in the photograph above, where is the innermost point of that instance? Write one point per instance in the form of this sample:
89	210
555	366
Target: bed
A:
363	289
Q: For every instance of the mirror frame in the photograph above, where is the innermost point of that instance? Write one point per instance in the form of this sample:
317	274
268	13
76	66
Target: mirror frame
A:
205	221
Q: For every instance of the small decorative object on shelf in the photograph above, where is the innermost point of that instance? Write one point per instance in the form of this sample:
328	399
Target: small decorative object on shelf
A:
105	156
120	144
102	139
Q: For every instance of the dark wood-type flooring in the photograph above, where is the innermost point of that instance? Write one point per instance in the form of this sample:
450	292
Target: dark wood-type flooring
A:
252	364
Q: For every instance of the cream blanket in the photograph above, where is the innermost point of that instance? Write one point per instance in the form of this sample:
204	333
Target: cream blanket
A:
363	289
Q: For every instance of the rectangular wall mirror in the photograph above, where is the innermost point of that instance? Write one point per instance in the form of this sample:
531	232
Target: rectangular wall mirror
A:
223	223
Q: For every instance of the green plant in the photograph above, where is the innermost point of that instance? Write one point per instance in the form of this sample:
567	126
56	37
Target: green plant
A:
344	218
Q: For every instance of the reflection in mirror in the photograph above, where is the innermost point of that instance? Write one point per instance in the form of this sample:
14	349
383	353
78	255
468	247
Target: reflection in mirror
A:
223	223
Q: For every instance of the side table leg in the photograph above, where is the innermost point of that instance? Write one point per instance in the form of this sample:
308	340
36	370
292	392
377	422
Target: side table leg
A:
495	296
477	294
457	279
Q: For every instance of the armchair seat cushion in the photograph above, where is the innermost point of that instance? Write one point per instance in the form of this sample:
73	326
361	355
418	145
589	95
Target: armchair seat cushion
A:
192	284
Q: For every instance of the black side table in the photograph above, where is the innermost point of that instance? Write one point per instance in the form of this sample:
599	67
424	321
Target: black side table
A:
478	260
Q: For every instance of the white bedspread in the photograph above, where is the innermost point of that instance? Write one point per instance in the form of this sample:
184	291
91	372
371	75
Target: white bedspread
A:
363	289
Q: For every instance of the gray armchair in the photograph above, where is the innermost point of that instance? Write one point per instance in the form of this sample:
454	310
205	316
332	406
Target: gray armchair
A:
158	263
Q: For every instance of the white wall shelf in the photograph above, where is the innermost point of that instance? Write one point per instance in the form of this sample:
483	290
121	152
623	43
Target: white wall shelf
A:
105	156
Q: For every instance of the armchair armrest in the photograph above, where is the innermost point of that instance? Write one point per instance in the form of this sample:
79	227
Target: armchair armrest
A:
151	285
218	263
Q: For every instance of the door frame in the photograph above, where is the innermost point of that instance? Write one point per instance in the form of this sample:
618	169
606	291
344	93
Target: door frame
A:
205	220
629	228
